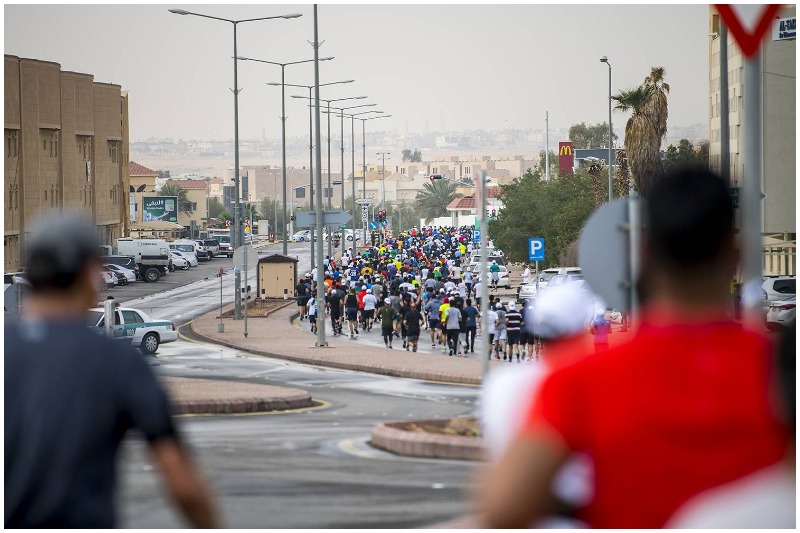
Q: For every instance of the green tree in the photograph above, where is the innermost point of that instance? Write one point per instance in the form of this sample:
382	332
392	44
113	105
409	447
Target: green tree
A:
646	128
590	136
543	160
270	210
215	207
555	210
171	188
685	154
433	200
404	215
412	157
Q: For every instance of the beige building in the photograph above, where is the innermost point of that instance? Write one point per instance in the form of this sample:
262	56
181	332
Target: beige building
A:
197	195
142	183
266	181
779	85
66	150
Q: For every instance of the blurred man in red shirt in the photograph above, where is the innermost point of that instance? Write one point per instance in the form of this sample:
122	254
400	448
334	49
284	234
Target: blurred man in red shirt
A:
681	408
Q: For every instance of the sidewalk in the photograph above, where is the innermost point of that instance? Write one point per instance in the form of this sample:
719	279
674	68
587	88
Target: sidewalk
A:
275	336
208	396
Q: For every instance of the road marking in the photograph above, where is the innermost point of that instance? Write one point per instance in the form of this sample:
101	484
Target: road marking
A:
322	404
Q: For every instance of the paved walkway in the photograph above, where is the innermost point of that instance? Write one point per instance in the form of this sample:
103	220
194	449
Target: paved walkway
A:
276	336
208	396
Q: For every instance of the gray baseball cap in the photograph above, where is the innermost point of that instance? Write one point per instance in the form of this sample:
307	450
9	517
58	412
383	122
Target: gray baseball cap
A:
57	249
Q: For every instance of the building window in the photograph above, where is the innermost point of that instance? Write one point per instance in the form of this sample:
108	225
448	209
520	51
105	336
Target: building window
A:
12	143
113	151
192	207
467	170
49	142
85	147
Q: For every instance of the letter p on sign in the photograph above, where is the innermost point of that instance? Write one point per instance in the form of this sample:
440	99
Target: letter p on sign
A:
536	249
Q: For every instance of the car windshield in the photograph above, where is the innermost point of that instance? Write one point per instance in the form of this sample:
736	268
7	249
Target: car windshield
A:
225	239
93	318
545	276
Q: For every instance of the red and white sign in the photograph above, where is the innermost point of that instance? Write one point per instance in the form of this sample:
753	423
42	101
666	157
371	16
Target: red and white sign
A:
748	23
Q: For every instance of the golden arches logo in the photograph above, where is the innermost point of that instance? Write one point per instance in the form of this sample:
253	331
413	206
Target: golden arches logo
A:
565	149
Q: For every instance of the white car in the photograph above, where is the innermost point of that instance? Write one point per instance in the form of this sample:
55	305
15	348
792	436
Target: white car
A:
107	280
129	274
178	261
188	256
302	236
145	333
782	313
777	288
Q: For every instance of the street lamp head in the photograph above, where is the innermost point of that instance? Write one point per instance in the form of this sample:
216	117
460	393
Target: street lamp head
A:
327	58
292	16
241	58
179	11
604	59
274	84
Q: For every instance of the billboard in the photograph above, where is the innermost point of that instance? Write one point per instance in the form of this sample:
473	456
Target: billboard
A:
566	157
160	208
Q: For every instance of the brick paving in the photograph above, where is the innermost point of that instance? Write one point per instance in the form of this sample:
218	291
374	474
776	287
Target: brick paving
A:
207	396
275	336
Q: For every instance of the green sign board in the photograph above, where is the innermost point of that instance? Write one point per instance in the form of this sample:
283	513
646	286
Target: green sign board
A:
160	208
343	226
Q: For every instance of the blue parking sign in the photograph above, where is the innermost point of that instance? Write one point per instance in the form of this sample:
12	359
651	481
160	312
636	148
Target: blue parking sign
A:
536	249
476	235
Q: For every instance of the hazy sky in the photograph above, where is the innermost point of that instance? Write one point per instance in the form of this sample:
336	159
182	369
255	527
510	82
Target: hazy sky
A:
450	66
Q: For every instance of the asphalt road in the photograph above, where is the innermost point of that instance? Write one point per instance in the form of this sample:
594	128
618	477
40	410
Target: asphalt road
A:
309	469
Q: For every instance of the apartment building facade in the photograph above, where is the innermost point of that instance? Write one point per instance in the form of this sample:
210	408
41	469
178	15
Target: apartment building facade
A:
66	150
779	118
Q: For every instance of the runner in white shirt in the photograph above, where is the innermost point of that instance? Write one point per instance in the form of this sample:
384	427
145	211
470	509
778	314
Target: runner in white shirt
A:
369	309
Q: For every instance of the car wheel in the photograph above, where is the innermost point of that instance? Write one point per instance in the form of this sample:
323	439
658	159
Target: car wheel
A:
185	267
151	275
149	343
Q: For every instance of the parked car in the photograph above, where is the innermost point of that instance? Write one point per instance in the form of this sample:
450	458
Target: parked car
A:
178	261
15	289
119	277
782	313
777	288
107	280
145	333
130	275
203	253
123	261
348	235
189	256
475	260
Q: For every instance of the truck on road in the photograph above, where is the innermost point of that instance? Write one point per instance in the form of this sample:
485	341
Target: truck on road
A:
150	255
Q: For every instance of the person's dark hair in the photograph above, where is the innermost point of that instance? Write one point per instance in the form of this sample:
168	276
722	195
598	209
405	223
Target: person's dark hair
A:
57	251
689	219
469	302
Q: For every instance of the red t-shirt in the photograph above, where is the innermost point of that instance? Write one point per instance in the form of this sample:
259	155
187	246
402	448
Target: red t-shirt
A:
676	411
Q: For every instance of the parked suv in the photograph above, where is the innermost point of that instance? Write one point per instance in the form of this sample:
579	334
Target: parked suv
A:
212	245
777	288
203	251
225	247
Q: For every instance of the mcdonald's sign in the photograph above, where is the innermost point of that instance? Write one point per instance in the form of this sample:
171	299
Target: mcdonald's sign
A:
566	158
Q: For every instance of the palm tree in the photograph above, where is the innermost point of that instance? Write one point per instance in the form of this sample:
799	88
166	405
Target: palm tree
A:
172	188
646	128
433	200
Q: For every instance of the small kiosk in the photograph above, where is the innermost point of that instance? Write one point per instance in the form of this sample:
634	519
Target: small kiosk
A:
276	276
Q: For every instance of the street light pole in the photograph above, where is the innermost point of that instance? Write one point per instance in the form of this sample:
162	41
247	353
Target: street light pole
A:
237	226
605	60
320	300
283	135
383	176
310	142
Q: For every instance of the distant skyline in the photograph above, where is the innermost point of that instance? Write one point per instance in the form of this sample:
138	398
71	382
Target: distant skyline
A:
442	67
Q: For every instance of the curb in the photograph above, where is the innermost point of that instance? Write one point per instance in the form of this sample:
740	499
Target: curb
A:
393	437
320	361
228	407
206	397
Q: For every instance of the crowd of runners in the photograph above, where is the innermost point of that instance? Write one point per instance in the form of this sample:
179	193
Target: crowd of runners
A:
419	280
